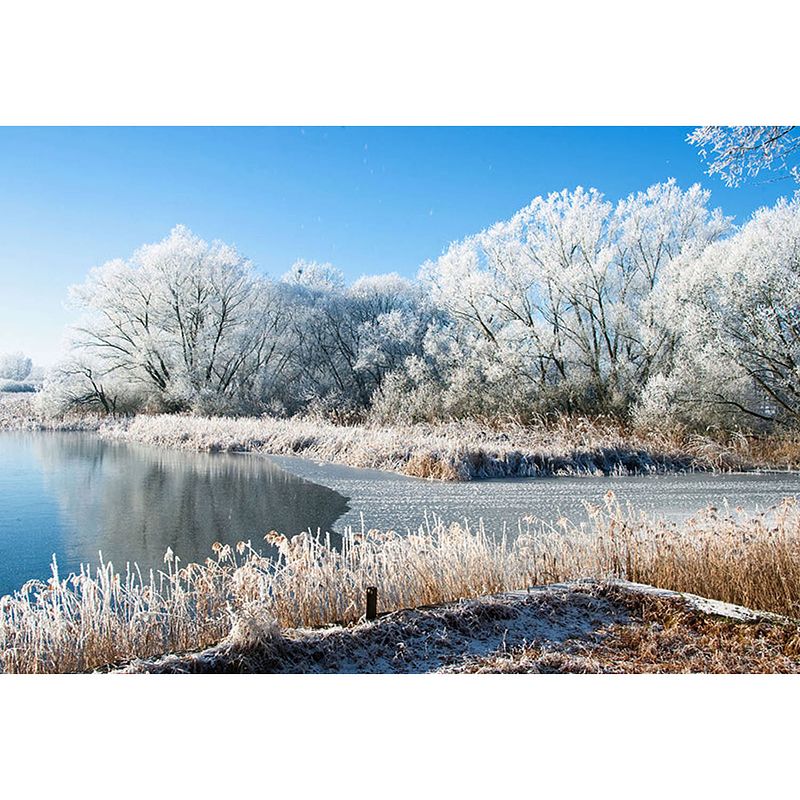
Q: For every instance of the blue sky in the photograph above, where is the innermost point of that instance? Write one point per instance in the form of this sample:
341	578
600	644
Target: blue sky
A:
367	199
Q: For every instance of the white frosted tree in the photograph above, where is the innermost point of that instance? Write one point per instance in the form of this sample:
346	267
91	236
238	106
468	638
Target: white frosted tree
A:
389	317
187	322
736	308
653	304
347	339
314	276
743	151
15	366
85	385
563	289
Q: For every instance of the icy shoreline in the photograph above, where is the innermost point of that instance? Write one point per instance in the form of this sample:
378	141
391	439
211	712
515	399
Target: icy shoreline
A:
453	452
564	624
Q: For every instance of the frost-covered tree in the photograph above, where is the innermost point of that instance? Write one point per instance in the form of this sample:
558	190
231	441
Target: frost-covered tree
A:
315	276
184	324
456	376
15	366
743	151
736	308
347	339
562	290
188	323
389	320
652	305
79	384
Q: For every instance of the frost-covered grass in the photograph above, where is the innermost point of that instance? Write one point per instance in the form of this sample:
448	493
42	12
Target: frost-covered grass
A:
18	413
412	640
466	450
100	617
660	634
584	626
456	451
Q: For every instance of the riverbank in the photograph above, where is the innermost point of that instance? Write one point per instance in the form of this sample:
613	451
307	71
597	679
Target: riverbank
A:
585	627
18	413
101	618
458	451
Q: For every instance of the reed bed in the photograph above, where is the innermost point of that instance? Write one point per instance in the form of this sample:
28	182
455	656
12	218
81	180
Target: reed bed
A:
101	617
457	451
726	554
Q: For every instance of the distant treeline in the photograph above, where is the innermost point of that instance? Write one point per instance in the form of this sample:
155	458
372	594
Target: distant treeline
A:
17	374
656	310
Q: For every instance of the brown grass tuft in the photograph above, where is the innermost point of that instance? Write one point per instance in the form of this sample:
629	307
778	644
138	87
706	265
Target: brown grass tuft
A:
665	636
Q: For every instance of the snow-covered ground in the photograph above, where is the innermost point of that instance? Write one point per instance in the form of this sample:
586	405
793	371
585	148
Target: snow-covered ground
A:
558	619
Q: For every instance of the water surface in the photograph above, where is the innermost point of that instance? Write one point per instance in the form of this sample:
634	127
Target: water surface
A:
396	501
73	494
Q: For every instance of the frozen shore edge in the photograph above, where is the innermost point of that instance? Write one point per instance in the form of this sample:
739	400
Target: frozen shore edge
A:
448	452
448	637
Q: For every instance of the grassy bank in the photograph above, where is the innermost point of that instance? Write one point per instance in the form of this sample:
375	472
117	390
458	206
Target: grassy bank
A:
87	621
654	633
18	413
582	627
454	452
457	451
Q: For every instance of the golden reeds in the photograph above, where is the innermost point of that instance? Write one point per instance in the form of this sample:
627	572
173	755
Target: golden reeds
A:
92	619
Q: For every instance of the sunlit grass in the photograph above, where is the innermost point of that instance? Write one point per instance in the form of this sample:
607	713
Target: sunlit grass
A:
102	617
661	635
455	451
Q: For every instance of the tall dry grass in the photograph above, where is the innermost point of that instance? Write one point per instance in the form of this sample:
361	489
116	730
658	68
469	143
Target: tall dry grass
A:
89	620
456	451
750	560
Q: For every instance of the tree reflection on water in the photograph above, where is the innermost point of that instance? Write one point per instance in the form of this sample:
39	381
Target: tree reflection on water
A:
133	502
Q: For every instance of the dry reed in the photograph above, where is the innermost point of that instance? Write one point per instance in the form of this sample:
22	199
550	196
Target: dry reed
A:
89	620
454	451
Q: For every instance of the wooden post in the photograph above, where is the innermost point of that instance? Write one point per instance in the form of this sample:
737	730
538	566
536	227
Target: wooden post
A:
372	602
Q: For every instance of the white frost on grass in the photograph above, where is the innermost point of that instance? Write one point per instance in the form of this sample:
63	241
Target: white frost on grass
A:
455	451
413	641
554	617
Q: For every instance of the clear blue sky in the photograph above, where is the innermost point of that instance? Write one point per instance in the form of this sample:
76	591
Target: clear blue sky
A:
367	199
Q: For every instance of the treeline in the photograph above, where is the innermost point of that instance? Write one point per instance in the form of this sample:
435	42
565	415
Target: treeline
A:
656	310
17	373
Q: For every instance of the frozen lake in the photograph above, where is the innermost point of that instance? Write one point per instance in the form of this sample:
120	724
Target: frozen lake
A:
74	495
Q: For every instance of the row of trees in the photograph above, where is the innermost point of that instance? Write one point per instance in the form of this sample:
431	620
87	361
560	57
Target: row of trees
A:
15	366
185	324
654	308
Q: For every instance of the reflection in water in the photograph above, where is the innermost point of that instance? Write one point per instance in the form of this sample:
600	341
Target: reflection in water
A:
75	495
